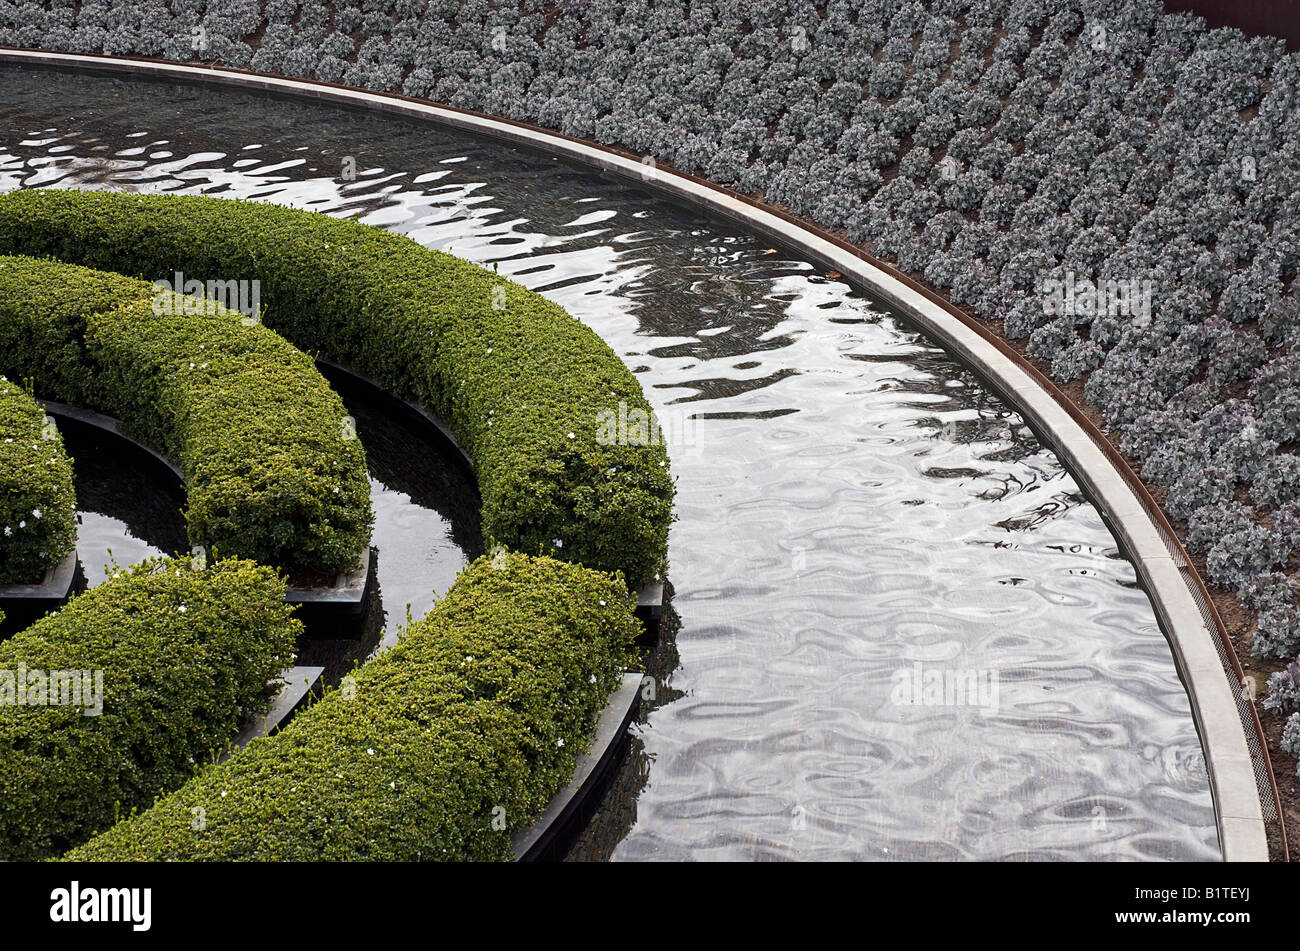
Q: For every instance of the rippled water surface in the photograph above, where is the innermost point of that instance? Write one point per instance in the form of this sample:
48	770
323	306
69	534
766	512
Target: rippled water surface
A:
857	514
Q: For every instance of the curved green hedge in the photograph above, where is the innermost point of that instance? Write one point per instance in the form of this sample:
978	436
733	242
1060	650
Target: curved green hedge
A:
184	657
271	471
37	505
482	706
521	382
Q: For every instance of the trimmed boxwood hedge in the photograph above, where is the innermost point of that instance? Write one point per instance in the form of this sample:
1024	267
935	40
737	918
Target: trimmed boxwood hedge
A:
520	381
185	656
270	469
37	503
477	714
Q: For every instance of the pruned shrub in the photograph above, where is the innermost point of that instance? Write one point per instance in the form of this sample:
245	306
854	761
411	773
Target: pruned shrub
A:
128	687
272	472
480	351
477	713
37	502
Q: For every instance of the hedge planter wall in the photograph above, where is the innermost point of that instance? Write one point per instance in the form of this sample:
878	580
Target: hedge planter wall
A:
151	671
520	381
37	503
439	749
272	471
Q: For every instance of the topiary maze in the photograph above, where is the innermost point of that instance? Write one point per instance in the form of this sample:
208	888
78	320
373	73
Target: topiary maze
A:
443	746
270	472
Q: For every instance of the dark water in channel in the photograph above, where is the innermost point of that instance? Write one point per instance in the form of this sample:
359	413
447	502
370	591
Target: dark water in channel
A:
857	514
426	519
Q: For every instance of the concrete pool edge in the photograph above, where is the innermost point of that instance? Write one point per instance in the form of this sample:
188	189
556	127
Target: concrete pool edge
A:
1176	592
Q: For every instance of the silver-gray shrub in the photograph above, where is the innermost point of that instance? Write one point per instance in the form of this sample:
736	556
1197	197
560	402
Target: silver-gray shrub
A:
1284	690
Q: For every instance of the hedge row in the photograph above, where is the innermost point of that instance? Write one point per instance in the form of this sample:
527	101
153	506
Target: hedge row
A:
438	750
184	656
520	381
37	503
272	472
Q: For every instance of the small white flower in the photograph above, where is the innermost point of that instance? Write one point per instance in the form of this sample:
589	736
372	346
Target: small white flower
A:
370	752
181	609
36	512
560	741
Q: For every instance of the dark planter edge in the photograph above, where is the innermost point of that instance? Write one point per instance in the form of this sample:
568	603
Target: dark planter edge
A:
297	684
54	588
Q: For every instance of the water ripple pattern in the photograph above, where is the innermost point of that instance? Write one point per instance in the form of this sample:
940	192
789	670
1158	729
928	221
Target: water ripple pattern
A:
904	634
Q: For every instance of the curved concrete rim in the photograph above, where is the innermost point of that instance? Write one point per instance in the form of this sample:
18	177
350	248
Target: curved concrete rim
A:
1208	679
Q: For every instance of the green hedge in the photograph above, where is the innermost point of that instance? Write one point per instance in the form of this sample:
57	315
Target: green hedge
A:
521	382
271	471
482	705
185	655
38	517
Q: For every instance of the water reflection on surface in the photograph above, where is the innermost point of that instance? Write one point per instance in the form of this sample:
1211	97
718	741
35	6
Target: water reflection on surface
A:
851	504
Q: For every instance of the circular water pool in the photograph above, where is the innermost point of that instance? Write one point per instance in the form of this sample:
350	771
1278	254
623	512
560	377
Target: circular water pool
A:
899	631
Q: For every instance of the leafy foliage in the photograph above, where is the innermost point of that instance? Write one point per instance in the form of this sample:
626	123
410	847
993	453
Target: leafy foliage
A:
271	471
521	382
476	714
185	657
37	501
